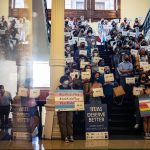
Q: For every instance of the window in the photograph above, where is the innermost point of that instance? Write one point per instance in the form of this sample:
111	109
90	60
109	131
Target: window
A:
41	74
69	4
74	4
18	4
104	5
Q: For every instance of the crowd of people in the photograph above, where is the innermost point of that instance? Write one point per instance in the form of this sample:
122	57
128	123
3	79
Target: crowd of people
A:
12	32
86	69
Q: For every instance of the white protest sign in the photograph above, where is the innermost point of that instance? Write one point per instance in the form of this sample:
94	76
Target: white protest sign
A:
2	32
75	39
116	20
130	80
137	91
83	52
109	77
108	37
83	64
85	75
82	40
134	52
144	47
96	59
112	43
124	33
98	92
67	34
146	67
34	93
74	74
148	48
69	60
142	64
101	70
23	92
132	34
19	25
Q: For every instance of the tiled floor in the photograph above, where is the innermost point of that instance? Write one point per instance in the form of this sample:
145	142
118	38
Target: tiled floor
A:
79	144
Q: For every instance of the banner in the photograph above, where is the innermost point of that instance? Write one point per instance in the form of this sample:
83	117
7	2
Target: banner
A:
96	122
144	104
69	100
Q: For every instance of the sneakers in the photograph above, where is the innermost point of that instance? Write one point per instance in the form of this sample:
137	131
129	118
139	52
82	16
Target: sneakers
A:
136	126
147	136
71	139
66	140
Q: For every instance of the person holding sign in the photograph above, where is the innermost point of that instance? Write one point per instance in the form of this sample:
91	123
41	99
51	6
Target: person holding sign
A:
5	102
108	90
96	90
65	118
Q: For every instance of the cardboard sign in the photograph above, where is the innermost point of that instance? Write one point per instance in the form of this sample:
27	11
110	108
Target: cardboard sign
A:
74	74
134	52
34	93
98	92
144	104
109	77
83	64
137	91
83	52
142	64
96	122
23	92
96	59
130	80
85	75
146	67
69	100
69	60
101	70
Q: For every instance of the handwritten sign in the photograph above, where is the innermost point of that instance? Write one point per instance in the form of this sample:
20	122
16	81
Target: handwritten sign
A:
69	100
146	67
137	91
85	75
83	52
134	52
67	34
23	92
96	59
74	74
109	77
34	93
130	80
101	70
75	39
98	92
83	64
2	32
69	60
124	33
142	64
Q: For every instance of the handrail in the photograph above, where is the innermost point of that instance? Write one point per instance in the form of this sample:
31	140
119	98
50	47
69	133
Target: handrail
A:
48	26
146	23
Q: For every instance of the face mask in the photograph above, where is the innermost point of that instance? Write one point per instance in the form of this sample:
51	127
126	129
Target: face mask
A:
66	82
68	48
93	43
90	34
82	60
82	46
95	54
126	59
97	79
88	70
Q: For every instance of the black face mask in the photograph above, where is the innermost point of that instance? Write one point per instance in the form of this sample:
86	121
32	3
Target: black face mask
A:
82	46
126	59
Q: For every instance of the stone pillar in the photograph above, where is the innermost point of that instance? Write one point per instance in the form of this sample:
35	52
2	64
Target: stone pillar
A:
57	63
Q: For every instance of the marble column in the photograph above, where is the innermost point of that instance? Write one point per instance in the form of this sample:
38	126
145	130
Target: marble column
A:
57	64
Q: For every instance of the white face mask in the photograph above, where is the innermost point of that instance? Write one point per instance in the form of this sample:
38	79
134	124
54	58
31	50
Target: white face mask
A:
90	34
95	54
93	43
68	48
88	70
66	82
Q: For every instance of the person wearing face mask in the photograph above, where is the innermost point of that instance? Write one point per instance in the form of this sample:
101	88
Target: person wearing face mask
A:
108	90
68	51
95	83
125	69
65	118
5	102
143	55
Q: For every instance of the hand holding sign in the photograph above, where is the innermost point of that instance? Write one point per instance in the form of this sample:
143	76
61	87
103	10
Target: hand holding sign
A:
130	80
109	77
98	92
86	75
23	92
